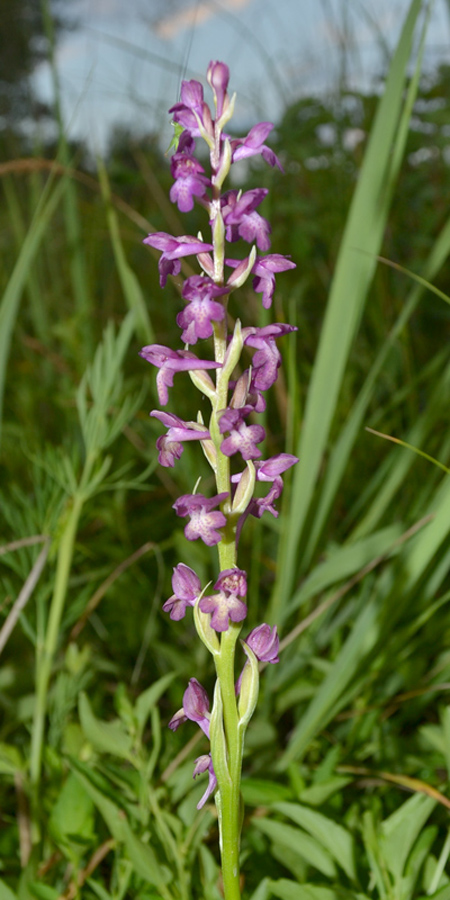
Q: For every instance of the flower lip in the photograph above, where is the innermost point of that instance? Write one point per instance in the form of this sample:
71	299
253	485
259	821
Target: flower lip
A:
205	521
202	310
223	609
243	438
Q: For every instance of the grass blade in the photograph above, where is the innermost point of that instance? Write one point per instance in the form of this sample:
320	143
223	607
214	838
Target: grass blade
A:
354	273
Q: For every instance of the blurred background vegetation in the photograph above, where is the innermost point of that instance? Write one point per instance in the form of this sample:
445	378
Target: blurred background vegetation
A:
347	766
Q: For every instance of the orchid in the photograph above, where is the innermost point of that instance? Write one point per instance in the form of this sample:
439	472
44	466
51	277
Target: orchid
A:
174	249
197	319
204	523
231	439
186	588
171	361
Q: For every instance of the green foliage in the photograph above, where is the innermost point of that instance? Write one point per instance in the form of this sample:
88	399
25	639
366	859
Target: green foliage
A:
355	572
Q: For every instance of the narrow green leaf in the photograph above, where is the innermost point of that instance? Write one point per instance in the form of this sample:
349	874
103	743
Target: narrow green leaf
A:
43	891
325	703
10	760
6	893
343	447
342	563
299	843
317	794
334	838
261	792
141	855
263	891
149	698
72	814
289	890
106	737
353	276
401	829
422	548
442	894
416	860
13	294
130	285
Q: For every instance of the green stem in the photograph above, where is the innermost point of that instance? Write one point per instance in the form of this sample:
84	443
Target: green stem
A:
45	658
230	789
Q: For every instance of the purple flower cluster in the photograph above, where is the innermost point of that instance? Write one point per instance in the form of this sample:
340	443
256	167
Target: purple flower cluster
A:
232	439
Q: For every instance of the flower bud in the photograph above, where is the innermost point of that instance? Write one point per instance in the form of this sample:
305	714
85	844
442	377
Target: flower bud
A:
218	76
265	643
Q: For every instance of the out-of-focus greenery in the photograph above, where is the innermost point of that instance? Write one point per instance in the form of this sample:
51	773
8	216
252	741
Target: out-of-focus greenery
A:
347	763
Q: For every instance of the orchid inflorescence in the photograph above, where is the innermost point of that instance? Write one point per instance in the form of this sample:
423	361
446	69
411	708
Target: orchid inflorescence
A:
236	394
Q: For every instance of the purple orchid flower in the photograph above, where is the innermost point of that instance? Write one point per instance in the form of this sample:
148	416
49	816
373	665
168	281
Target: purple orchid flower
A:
223	609
195	708
186	588
170	445
204	520
173	249
242	221
261	505
190	181
254	144
225	606
264	271
242	438
267	359
192	112
271	470
205	764
171	361
275	466
202	310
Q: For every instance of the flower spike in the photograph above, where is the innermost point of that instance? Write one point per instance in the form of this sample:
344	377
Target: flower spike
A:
232	389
